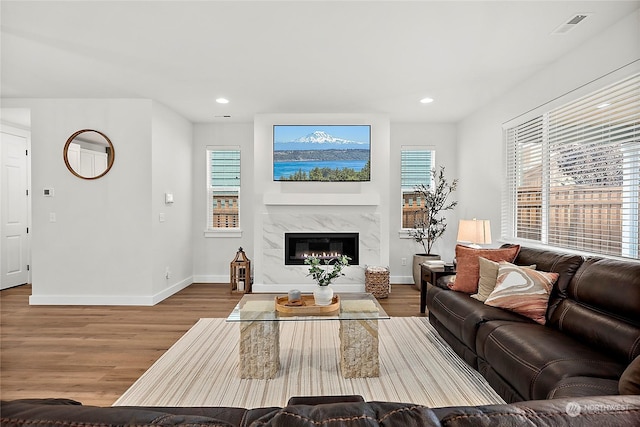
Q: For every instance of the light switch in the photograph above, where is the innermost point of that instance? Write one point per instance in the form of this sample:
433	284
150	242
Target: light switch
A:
161	217
52	217
47	192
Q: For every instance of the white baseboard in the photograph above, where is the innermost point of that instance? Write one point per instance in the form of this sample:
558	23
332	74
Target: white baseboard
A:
175	288
134	300
211	278
401	280
142	300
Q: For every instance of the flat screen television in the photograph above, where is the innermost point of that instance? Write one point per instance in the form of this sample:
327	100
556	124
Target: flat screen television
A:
332	153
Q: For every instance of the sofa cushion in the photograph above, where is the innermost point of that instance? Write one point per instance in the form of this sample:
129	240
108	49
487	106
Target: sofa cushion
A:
522	290
565	265
468	266
487	281
630	378
462	315
534	358
601	307
488	278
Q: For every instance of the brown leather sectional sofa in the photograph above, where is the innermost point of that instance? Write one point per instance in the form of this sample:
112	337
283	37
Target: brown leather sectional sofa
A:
331	412
589	345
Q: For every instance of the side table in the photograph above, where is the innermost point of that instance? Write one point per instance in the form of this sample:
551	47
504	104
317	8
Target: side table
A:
430	275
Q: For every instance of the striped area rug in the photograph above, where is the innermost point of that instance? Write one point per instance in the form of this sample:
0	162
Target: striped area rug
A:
416	365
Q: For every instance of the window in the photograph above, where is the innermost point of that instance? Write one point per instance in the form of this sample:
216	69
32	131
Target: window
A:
416	164
223	195
573	174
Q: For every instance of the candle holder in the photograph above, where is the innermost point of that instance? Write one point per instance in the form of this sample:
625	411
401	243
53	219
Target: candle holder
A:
294	298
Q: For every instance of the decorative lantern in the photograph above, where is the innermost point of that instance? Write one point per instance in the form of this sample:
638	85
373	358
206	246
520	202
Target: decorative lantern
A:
240	273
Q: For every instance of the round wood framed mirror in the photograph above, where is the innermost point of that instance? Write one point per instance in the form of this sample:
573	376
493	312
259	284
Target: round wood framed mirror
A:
88	154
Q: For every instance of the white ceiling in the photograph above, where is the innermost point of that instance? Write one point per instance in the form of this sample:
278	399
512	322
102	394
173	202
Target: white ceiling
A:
290	57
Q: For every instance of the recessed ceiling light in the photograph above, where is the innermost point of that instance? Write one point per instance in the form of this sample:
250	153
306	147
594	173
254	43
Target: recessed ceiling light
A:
426	100
222	101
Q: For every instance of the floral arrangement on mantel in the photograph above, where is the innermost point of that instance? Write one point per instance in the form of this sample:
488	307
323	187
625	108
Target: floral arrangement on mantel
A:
325	273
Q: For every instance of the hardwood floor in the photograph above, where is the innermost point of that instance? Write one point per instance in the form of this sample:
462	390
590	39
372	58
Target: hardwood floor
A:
94	353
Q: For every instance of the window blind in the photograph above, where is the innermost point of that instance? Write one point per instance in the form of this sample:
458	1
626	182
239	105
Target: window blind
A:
573	174
415	169
223	195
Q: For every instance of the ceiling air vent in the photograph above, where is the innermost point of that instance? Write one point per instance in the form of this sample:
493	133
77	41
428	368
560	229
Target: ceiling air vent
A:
570	24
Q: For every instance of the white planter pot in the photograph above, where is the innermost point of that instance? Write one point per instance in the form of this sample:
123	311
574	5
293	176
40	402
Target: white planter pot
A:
323	295
418	259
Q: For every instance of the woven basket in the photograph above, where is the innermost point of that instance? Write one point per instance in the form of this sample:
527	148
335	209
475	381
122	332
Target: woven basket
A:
376	281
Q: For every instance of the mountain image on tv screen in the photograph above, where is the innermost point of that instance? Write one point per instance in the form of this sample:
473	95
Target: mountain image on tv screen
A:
321	153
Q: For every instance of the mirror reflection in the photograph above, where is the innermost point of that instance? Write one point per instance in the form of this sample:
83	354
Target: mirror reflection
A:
88	154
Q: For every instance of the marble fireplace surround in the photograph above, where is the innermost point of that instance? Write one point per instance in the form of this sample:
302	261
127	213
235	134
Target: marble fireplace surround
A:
272	275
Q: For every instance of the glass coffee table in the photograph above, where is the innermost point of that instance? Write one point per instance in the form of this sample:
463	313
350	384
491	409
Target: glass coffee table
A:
259	322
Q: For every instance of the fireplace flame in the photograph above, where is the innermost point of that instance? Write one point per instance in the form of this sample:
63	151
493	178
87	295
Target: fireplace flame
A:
323	255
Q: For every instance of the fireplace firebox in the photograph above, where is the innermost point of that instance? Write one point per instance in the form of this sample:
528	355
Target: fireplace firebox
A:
299	246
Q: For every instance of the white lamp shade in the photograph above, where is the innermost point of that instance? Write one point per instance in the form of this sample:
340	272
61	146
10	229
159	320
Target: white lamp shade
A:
476	231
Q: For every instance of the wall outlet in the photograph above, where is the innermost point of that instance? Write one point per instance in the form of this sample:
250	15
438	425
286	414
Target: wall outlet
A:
404	261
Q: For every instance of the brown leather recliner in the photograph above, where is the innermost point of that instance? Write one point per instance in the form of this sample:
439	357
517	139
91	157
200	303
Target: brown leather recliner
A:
591	336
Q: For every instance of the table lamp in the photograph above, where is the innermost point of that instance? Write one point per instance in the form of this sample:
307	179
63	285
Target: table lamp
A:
474	232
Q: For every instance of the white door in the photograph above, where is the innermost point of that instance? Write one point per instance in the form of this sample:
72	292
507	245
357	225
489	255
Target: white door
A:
14	247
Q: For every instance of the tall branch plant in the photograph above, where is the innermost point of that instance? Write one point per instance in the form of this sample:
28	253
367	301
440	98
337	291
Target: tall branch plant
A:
430	224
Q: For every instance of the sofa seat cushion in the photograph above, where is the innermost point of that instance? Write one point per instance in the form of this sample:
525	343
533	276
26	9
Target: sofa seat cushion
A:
461	315
535	358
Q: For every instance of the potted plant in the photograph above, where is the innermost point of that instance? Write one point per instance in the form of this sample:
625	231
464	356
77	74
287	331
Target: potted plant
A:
430	224
324	274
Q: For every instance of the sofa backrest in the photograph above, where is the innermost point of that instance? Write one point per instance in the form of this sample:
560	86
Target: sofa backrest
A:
602	307
564	264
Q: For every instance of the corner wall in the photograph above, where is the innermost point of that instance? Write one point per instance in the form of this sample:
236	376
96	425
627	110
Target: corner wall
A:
172	248
480	142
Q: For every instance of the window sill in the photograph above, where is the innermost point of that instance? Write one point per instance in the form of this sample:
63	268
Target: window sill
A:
404	233
231	232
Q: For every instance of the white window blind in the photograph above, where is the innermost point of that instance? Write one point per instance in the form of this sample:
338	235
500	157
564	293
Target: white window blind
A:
223	195
573	174
415	168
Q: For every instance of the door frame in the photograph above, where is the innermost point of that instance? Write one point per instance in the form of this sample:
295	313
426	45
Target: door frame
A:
20	131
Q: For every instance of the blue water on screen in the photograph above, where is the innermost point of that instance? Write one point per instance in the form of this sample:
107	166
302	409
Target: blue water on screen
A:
286	169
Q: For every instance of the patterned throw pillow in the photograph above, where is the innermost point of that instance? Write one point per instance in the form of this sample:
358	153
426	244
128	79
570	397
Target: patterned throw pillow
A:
523	290
468	267
488	278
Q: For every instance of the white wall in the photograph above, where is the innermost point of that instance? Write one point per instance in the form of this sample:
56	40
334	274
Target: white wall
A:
480	140
212	255
441	138
104	246
172	249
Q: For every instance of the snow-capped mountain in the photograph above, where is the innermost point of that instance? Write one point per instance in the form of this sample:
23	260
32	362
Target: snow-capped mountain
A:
320	140
321	137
